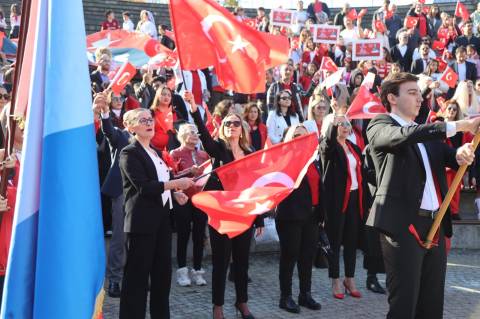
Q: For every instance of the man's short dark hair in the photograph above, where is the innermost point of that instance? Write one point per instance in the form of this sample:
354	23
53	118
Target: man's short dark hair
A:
460	49
261	9
126	13
391	85
108	12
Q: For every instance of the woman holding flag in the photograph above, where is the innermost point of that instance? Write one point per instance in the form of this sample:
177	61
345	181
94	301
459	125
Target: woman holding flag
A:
297	222
147	187
232	144
164	116
342	163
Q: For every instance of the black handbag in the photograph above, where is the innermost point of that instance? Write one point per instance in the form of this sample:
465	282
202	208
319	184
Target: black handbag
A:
323	249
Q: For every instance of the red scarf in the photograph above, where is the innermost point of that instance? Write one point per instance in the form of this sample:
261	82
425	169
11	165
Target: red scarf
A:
358	169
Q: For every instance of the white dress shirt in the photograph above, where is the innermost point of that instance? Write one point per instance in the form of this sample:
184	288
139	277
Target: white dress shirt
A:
352	163
430	199
462	71
163	174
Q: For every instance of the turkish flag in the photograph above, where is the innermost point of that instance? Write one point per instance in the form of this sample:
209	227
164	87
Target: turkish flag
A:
352	14
462	11
205	169
256	183
166	59
449	77
251	22
438	45
426	9
153	47
207	34
365	105
442	65
126	72
411	22
380	26
279	51
328	64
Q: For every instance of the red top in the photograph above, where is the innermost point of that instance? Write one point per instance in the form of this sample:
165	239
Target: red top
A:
422	25
314	180
114	25
163	124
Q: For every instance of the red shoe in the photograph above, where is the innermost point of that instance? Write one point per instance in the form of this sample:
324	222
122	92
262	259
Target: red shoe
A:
338	296
353	293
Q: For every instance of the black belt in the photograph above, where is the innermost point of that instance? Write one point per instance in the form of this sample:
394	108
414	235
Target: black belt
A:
427	213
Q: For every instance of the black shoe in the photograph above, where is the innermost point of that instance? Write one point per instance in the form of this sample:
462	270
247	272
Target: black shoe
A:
306	300
244	316
289	304
114	289
374	285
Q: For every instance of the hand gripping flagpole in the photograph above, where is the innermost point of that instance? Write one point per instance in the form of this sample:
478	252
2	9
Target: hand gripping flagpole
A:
448	198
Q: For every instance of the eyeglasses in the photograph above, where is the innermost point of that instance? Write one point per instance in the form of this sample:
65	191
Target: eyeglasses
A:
345	124
233	123
452	108
285	98
5	96
321	107
116	99
146	121
193	133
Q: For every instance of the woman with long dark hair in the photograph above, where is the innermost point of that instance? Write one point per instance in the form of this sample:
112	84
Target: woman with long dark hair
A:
258	130
231	144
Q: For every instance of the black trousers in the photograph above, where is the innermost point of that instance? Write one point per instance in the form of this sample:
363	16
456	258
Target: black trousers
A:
373	257
298	244
222	248
344	230
189	219
148	257
415	276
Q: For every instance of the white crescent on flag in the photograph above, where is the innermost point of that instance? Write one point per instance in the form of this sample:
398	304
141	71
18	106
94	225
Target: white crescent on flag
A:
207	23
274	177
374	108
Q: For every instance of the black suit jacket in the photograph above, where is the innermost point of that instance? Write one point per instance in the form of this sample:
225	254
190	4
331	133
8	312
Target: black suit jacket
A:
404	61
471	70
96	78
464	41
117	140
417	66
298	205
169	43
401	174
335	168
144	210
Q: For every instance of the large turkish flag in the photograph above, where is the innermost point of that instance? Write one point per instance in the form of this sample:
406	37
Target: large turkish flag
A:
256	184
365	105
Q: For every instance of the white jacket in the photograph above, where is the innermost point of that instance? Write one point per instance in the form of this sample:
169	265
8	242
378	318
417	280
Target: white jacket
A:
276	125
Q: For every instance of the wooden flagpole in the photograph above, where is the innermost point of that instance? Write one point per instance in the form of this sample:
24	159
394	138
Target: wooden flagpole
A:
448	198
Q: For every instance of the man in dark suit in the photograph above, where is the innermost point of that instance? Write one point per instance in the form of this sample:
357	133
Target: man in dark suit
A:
420	65
467	37
164	39
410	163
99	77
401	52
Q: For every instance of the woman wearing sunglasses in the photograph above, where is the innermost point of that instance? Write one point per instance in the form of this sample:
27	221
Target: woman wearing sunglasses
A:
297	220
231	144
342	163
149	189
282	117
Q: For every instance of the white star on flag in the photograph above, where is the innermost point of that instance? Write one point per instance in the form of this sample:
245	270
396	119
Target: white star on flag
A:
238	44
103	43
260	208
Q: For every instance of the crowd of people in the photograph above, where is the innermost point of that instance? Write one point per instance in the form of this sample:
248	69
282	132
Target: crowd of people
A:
155	135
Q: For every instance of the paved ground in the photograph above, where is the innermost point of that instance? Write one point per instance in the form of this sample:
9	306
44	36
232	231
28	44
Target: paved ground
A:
462	293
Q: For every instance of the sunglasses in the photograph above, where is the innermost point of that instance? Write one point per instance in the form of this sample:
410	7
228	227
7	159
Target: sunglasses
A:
193	133
345	124
5	96
146	122
232	123
285	98
450	108
116	99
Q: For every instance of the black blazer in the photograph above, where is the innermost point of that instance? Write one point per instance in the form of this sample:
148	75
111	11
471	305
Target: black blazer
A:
298	205
464	41
401	173
144	209
117	140
220	154
96	78
471	70
417	66
404	61
335	168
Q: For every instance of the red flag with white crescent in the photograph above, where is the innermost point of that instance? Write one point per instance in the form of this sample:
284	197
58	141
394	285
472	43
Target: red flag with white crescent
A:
365	105
449	77
126	72
352	14
256	183
328	64
462	11
411	22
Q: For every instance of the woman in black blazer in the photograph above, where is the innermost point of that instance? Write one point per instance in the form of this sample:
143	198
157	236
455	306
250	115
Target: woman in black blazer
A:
297	221
342	163
232	144
147	187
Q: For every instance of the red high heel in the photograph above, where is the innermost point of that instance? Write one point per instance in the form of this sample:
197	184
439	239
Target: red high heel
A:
353	293
339	296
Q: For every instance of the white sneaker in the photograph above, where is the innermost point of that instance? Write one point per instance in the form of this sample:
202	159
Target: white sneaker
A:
197	277
182	277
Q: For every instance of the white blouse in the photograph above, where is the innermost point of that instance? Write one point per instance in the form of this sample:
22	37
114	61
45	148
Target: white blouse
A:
352	162
163	174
